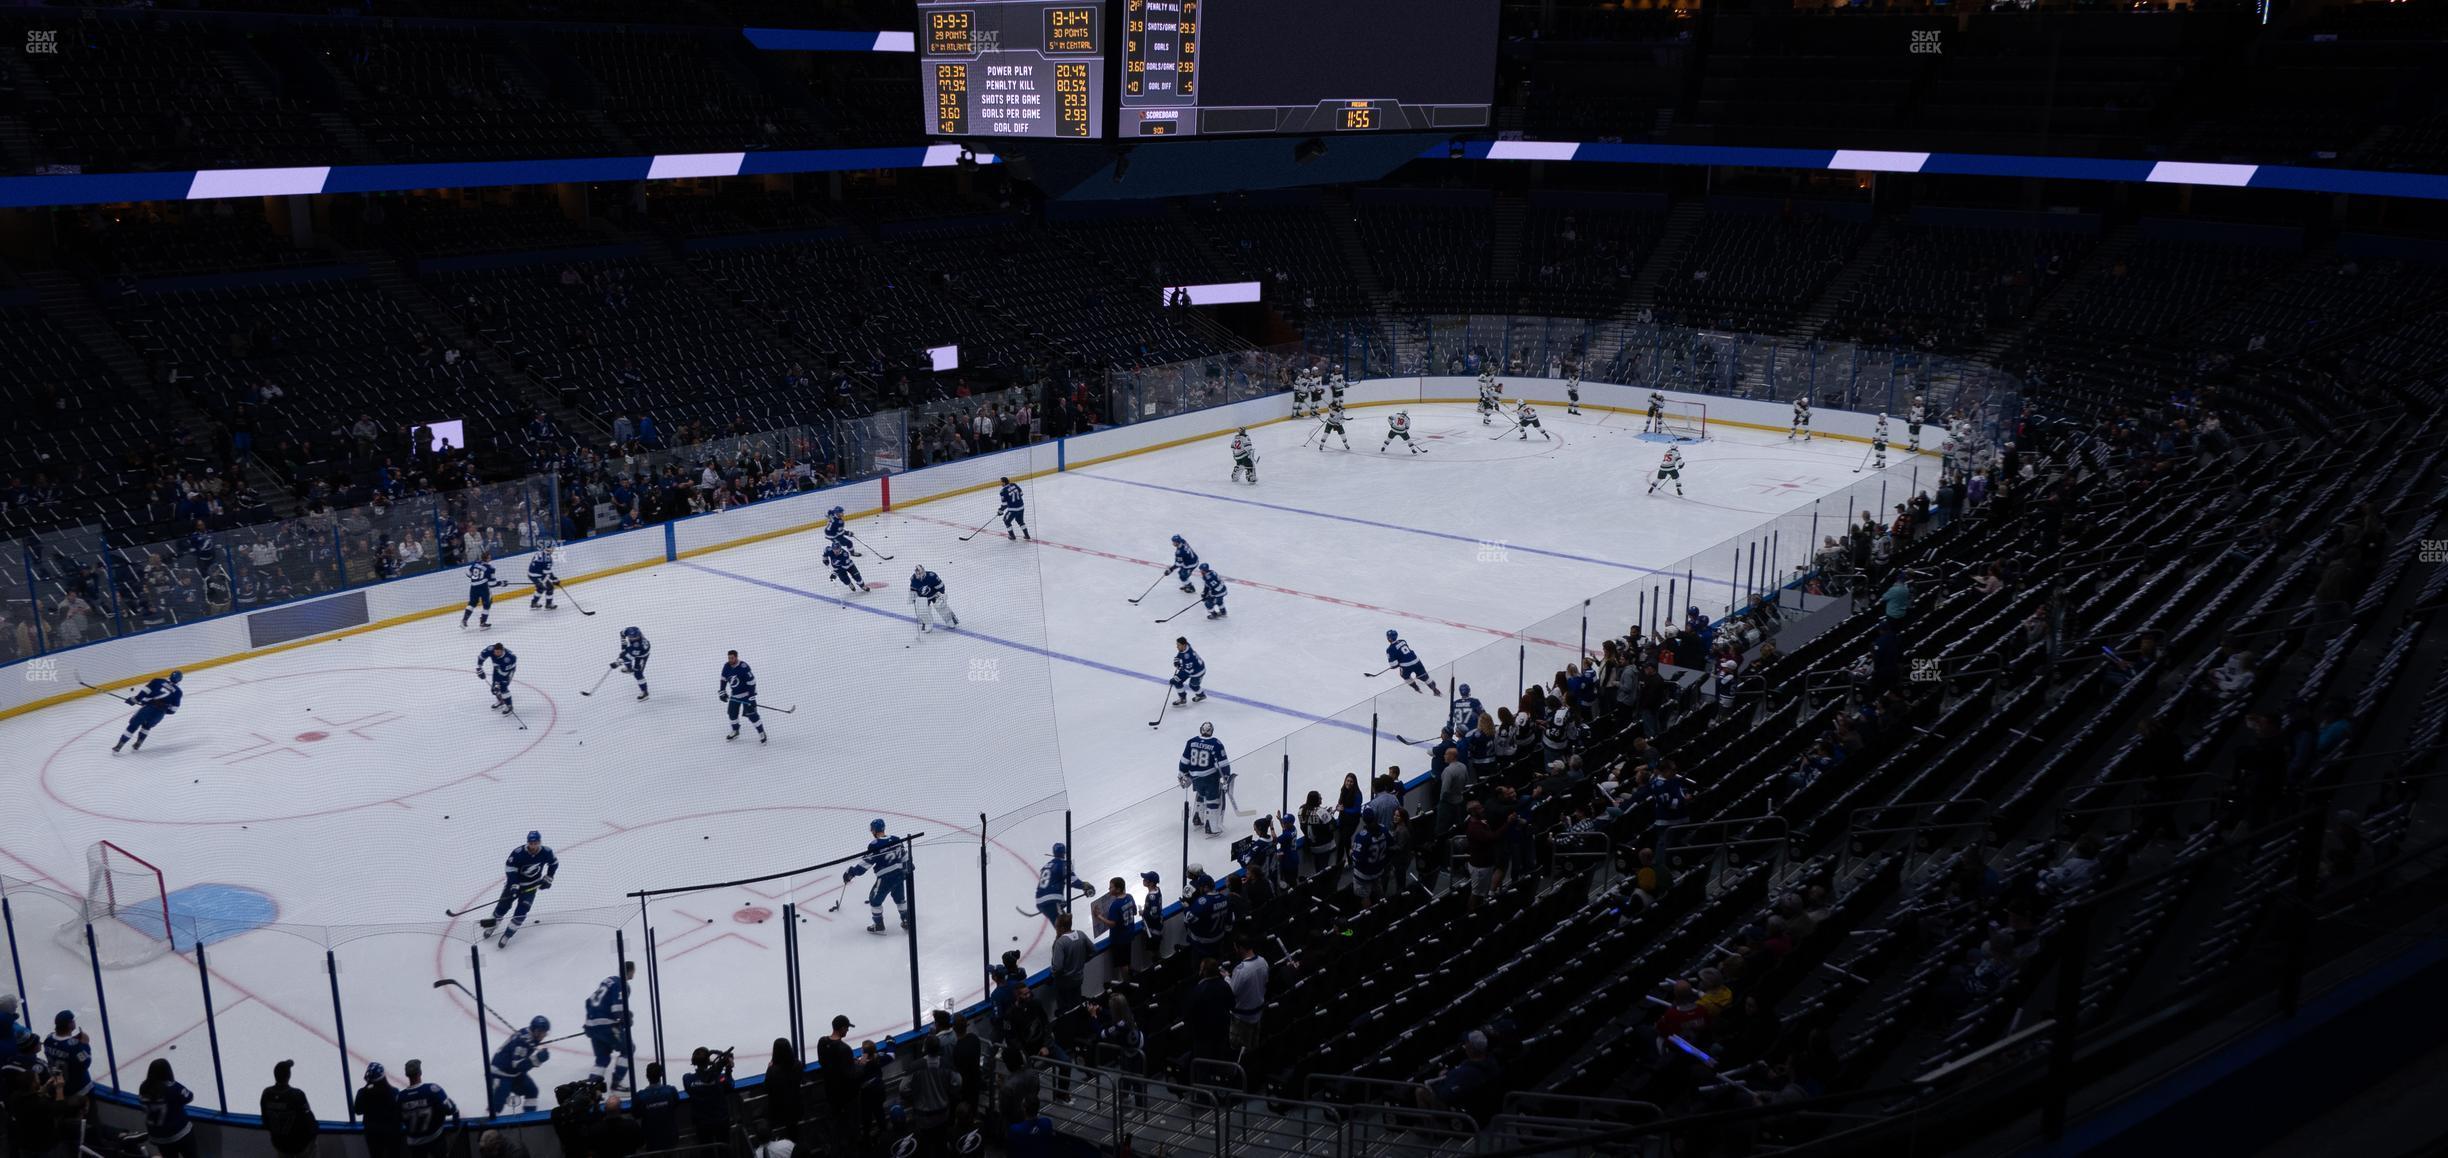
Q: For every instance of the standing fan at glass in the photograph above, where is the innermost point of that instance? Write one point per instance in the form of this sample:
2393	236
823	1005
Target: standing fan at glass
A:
126	906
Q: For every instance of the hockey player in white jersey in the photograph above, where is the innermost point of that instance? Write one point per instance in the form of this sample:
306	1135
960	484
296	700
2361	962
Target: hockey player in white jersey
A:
1572	390
1670	467
1525	419
1335	385
1245	457
1878	444
927	601
1912	423
1801	419
1656	422
1333	425
1399	426
1489	390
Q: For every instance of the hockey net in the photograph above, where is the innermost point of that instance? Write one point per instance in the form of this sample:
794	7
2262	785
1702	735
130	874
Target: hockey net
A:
127	905
1687	421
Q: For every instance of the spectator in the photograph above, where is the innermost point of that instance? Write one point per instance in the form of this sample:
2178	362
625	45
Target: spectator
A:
615	1133
165	1110
784	1094
1462	1085
1898	600
1033	1031
1069	972
69	1055
657	1107
1683	1017
1483	845
1209	1015
968	1060
838	1066
1116	914
30	1095
495	1144
377	1107
1249	992
287	1118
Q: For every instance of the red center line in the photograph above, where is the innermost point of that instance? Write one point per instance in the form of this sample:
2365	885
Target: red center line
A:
1256	585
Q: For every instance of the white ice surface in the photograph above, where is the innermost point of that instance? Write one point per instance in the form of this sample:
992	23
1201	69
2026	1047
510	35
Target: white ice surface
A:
362	785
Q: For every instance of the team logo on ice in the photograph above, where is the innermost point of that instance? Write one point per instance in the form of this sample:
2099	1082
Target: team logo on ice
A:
42	671
985	671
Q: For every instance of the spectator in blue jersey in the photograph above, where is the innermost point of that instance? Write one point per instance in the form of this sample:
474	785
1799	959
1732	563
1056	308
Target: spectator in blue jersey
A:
165	1110
657	1106
426	1114
1116	914
68	1052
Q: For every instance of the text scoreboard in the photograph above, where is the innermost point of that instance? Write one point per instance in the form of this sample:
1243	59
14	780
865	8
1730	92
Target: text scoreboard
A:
1013	68
1212	67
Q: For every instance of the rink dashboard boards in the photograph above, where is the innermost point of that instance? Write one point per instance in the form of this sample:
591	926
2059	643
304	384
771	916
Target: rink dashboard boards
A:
1069	69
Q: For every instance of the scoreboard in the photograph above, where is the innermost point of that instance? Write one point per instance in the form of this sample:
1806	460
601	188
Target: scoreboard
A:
1210	67
1038	68
1013	68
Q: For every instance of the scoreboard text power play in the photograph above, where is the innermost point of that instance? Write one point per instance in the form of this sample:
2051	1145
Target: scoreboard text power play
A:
1013	68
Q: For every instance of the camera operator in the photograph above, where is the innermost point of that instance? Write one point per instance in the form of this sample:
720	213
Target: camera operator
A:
575	1107
708	1086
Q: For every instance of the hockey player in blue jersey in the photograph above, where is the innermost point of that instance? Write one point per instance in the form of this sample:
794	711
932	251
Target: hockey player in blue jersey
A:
837	529
1055	882
837	559
528	868
1014	512
1152	914
927	602
738	691
1185	561
1189	671
607	1026
513	1068
540	576
505	665
426	1114
889	859
158	698
1211	591
633	653
1205	772
1406	662
1463	716
481	582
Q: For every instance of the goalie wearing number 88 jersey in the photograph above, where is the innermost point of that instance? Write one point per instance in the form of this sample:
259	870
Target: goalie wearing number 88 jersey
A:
1204	771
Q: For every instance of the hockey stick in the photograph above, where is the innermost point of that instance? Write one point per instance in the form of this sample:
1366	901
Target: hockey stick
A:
762	708
1380	671
573	600
1160	577
878	554
1161	705
981	528
1178	614
515	716
125	700
1857	469
1235	801
1501	433
471	995
599	680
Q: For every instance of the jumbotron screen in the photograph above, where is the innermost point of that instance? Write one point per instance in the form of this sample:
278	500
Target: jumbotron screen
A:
1013	68
1217	67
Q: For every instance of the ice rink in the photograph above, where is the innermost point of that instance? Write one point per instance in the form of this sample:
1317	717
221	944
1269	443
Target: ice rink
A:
339	797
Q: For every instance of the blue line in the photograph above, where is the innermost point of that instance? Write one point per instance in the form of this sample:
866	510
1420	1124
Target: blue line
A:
1391	526
1016	645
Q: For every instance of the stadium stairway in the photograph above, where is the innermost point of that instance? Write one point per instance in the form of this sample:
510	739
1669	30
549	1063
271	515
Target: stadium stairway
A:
384	273
1340	215
1505	257
1866	259
2111	249
1674	241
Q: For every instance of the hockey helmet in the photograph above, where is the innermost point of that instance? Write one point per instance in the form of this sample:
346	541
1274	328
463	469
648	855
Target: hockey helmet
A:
1206	569
1061	849
876	825
540	1025
834	511
177	676
1206	729
534	837
630	633
1461	689
1243	430
1177	540
1006	480
1391	635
